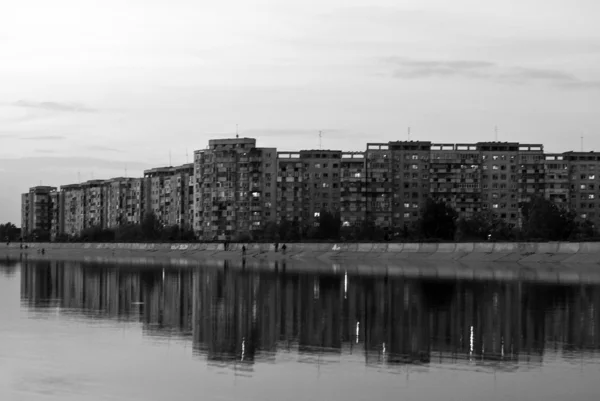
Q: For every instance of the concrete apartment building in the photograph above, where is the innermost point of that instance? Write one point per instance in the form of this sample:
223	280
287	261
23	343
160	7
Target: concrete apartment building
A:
353	200
584	170
455	176
557	180
168	193
235	190
234	187
123	201
37	209
321	183
499	183
290	188
379	189
93	204
72	208
410	181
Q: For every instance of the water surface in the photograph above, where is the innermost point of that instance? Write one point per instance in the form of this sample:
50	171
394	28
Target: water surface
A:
89	331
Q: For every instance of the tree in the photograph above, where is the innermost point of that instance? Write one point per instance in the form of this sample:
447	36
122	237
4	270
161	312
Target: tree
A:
329	225
9	232
544	220
151	227
481	226
438	220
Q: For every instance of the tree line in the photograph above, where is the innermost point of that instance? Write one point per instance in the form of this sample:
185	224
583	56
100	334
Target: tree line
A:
541	220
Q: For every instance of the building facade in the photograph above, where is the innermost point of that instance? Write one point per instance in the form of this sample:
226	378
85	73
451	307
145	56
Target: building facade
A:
234	189
37	207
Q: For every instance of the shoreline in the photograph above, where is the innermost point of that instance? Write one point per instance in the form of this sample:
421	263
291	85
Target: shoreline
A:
475	252
407	267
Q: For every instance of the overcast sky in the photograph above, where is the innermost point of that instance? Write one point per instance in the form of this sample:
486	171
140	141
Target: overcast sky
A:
99	86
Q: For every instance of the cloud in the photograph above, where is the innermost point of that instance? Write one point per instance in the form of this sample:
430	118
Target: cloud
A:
44	138
102	148
54	106
405	68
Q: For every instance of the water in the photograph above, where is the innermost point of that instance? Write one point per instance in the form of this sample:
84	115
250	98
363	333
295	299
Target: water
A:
85	331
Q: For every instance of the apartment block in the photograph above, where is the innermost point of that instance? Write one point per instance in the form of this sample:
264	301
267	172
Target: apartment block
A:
410	181
455	176
290	187
321	180
123	201
36	211
584	169
499	179
557	180
235	188
379	187
72	207
353	200
168	193
530	171
93	204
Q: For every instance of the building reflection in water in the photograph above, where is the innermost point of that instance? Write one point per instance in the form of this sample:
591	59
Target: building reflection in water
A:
240	316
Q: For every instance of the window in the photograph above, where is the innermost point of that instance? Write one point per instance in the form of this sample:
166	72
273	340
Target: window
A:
317	165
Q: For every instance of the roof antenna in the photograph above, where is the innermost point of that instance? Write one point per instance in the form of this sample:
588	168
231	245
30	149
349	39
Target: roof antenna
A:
187	159
126	171
582	143
170	164
236	131
320	139
409	133
496	133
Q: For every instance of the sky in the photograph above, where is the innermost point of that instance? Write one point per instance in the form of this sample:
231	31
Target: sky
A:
93	89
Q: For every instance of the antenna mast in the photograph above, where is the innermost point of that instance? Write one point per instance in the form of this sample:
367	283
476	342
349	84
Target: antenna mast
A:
237	135
320	139
582	143
496	133
409	133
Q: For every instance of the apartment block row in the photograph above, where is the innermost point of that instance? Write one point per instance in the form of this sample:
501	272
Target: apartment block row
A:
235	187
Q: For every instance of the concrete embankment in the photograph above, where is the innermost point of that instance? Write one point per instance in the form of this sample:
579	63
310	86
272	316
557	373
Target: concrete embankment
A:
474	252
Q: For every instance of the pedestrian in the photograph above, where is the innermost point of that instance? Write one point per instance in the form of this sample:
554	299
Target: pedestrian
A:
276	246
283	248
43	251
244	250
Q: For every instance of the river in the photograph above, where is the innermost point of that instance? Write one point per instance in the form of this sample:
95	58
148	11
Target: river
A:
92	331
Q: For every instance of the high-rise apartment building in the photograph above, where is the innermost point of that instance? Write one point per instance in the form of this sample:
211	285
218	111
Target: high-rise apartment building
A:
93	204
37	212
290	188
353	200
235	189
410	181
123	201
556	176
379	188
499	179
584	170
455	176
168	193
321	181
72	206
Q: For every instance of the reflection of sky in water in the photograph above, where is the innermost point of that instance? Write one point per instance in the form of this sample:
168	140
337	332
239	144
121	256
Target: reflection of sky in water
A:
97	332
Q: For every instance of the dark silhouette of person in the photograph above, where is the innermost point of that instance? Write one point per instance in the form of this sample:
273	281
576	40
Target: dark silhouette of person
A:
243	249
283	248
43	251
277	247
